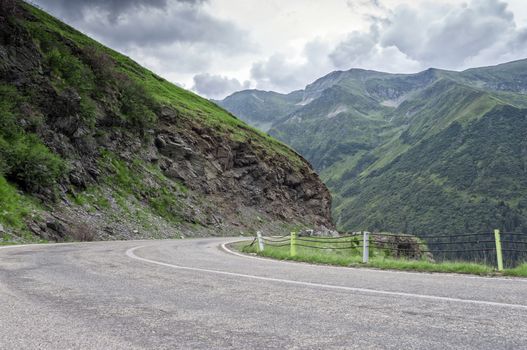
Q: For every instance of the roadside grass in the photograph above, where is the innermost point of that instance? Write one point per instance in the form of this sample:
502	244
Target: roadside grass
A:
15	209
519	271
379	259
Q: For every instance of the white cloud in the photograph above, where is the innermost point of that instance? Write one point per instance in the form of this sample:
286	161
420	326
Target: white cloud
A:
217	86
283	74
448	36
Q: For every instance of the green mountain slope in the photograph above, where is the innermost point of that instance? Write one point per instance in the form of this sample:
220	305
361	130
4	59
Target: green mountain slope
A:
261	108
93	146
426	153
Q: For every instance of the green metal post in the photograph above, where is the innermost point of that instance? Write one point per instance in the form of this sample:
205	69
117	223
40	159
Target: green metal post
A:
293	244
499	255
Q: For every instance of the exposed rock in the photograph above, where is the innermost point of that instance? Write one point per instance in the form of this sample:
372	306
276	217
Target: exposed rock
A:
58	228
321	231
406	246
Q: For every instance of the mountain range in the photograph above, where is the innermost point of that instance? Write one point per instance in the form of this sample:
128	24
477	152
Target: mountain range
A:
433	152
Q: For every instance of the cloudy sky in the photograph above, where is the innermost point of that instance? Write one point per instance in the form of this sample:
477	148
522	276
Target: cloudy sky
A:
216	47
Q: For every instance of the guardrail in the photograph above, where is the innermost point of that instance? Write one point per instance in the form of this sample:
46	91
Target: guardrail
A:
486	247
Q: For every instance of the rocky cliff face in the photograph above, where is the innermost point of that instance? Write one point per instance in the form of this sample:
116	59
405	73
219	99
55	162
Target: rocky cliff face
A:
125	154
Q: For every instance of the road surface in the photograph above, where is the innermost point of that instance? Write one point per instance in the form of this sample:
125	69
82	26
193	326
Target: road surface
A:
192	294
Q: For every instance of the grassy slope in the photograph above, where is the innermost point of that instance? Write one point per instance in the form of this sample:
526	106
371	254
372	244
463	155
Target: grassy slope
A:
459	185
261	106
14	208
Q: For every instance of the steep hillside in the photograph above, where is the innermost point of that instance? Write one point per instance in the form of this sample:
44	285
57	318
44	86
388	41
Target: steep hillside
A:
93	146
426	153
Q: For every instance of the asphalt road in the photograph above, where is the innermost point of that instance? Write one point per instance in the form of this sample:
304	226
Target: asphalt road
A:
191	294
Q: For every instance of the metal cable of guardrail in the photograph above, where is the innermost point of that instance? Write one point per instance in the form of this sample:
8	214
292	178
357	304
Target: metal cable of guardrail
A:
391	234
274	243
275	240
465	246
282	236
280	245
319	241
460	242
332	237
322	248
456	235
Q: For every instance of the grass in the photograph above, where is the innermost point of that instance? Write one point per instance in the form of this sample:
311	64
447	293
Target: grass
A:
24	159
14	207
15	210
146	183
519	271
379	259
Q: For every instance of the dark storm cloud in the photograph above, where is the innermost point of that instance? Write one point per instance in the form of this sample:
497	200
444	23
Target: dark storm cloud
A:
74	9
122	23
217	86
179	23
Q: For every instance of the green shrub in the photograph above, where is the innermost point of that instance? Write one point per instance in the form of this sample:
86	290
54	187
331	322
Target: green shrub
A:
88	111
71	70
32	165
136	105
23	158
128	179
9	100
13	207
101	64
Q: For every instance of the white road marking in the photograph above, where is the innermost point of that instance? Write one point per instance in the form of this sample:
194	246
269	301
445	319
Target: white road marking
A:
130	253
373	270
31	245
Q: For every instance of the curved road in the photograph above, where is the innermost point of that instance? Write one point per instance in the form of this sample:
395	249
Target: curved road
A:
192	294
